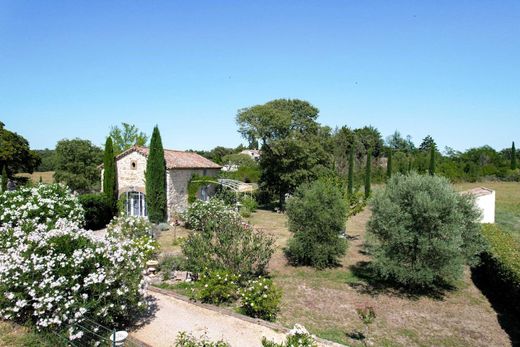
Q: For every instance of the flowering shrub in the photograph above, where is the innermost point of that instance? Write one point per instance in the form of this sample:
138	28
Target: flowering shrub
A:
216	287
138	230
44	204
208	215
187	340
297	337
58	276
260	299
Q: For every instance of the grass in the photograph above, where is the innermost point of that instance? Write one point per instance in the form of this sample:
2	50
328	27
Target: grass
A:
325	301
14	335
46	176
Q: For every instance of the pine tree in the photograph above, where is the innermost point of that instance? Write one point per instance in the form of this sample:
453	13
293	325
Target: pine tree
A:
389	164
156	180
110	174
513	157
368	173
350	187
4	179
431	169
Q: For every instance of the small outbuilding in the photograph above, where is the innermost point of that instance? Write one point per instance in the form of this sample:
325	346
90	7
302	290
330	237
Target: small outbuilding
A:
485	201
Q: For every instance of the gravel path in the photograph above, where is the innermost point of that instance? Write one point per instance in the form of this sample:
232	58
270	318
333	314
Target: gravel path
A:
174	315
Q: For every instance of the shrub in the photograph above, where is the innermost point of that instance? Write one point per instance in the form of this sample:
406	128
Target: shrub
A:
260	299
61	275
137	229
44	204
422	231
187	340
216	287
249	202
98	211
317	216
500	265
207	215
169	263
229	244
297	337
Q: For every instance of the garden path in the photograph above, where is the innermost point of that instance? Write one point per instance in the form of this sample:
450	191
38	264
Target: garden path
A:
175	314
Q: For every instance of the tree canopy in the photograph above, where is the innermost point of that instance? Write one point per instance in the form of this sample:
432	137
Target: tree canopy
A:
15	153
156	180
126	136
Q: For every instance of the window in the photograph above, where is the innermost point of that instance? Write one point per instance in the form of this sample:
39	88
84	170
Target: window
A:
133	165
135	204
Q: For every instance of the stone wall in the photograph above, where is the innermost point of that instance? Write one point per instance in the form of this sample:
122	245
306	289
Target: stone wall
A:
130	173
177	185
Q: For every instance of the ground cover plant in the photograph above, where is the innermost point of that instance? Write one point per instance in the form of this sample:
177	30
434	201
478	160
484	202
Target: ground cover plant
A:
55	275
423	232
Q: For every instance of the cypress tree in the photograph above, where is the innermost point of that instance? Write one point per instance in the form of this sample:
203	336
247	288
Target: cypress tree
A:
368	173
110	175
156	180
409	165
350	187
389	164
431	170
4	179
513	156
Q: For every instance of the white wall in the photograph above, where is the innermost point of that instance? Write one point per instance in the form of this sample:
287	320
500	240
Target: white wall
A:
486	203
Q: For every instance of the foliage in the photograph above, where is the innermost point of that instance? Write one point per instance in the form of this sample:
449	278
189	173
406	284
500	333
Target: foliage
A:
110	175
260	298
208	215
427	143
368	174
356	203
48	160
156	180
389	164
431	169
248	205
4	179
98	211
76	165
500	265
137	229
317	215
55	274
398	143
187	340
169	263
216	287
513	156
350	189
423	231
196	182
44	204
297	337
247	169
15	154
126	137
225	242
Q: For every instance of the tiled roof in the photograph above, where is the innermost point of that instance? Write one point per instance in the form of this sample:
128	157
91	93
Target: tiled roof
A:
176	159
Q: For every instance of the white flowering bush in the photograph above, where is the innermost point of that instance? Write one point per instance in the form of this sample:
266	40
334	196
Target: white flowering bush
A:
208	215
260	299
216	287
297	337
43	204
137	229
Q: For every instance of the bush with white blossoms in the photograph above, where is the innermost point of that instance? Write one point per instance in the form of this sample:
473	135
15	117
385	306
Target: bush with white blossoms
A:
208	215
260	299
44	204
137	229
297	337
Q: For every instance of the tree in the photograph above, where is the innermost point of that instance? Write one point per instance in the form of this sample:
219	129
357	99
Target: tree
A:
350	179
4	179
389	164
427	143
431	169
110	174
48	160
126	137
371	139
513	156
15	154
77	163
317	214
368	174
397	142
156	180
423	231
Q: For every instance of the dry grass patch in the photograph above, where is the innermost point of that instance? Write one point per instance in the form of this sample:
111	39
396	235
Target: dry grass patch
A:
47	177
170	240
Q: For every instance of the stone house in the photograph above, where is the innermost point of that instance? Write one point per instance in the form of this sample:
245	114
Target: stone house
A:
180	167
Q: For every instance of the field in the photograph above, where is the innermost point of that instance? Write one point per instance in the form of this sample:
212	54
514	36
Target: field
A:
46	176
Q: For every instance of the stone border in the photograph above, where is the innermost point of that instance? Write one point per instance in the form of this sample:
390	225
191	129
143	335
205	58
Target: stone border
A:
276	327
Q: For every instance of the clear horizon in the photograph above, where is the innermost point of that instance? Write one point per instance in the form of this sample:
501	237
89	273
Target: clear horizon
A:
449	70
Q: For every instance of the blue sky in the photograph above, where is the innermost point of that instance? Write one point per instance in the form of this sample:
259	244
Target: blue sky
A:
74	68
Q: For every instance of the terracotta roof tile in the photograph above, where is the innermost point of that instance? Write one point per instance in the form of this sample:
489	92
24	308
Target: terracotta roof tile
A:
177	159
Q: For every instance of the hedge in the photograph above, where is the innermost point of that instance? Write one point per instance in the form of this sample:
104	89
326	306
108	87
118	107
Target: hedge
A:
500	265
98	211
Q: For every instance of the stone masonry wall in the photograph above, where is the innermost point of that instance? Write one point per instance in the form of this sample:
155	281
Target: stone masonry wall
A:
130	177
